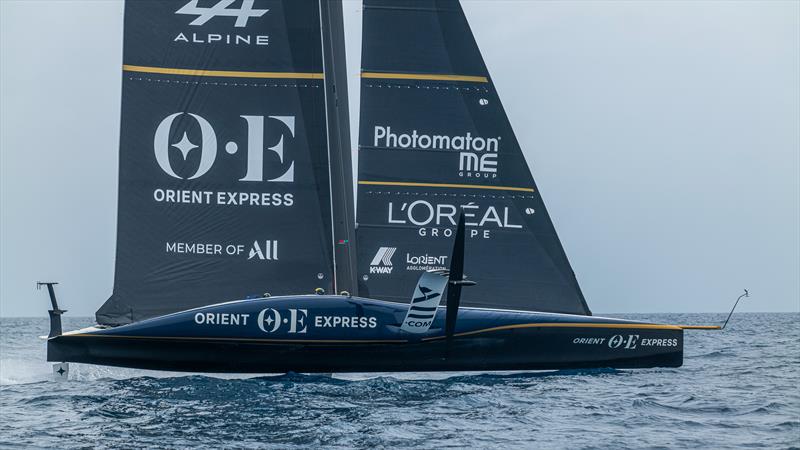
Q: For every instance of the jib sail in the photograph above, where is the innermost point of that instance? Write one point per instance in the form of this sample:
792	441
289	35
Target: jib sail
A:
435	140
224	174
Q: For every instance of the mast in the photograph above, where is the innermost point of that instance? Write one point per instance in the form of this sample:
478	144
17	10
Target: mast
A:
338	127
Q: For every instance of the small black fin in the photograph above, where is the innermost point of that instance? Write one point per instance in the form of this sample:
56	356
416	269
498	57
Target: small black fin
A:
456	280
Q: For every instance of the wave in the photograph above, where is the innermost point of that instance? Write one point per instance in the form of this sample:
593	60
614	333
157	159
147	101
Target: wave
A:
729	395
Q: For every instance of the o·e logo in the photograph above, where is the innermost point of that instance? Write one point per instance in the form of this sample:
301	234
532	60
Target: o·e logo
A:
630	341
209	147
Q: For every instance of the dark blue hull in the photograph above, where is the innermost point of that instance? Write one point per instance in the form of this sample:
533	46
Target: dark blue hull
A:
342	334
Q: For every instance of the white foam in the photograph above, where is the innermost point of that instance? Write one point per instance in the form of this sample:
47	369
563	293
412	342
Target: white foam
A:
19	371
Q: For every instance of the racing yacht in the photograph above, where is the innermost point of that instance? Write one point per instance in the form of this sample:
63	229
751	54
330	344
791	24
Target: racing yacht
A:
238	245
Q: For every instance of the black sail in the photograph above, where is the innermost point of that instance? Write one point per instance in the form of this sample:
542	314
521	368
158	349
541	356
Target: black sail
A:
224	181
434	140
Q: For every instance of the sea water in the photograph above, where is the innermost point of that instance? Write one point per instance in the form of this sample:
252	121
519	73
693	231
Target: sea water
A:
738	388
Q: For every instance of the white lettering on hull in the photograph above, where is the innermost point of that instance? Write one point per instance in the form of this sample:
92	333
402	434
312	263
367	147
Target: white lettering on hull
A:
221	319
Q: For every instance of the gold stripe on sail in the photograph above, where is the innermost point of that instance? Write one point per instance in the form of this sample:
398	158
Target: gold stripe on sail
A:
222	73
446	185
424	76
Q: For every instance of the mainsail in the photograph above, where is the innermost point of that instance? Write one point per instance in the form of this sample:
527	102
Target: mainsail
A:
225	181
435	140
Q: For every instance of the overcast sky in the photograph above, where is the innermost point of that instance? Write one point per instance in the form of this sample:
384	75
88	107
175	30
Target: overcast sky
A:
664	136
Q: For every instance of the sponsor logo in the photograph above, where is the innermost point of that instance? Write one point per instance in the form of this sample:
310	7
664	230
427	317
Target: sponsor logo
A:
271	320
221	319
382	262
472	165
628	342
477	156
296	321
424	302
208	147
269	252
212	38
423	308
384	137
188	196
672	342
589	341
419	323
345	322
440	219
224	9
418	263
220	9
259	250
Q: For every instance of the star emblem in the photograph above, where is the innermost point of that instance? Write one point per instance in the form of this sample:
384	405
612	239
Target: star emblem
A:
185	145
61	371
269	321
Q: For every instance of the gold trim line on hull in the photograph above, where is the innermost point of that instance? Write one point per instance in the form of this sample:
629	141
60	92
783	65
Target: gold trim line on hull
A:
640	326
424	76
445	185
222	73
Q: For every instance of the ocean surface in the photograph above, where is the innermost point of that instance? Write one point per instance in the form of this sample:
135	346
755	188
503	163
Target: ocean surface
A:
739	388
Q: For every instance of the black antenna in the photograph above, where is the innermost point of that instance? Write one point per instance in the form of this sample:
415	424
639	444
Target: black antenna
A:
746	294
56	312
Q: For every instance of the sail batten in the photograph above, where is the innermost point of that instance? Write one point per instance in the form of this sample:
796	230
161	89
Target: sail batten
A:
434	140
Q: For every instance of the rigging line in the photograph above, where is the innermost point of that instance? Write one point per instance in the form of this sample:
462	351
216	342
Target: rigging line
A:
445	185
222	73
424	76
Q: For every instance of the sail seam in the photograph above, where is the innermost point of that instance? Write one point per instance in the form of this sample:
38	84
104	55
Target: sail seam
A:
424	76
222	73
446	185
